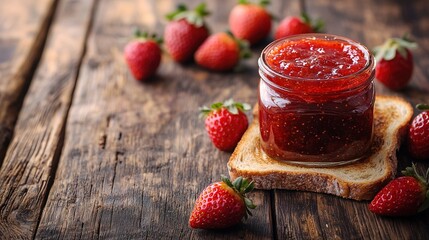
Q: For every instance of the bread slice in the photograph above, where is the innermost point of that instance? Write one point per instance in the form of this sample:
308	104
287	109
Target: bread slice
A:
360	180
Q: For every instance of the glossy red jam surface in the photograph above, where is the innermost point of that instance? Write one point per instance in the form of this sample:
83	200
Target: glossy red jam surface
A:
316	100
316	59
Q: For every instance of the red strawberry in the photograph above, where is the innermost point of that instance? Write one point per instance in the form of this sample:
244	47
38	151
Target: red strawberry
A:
221	52
225	123
185	32
250	21
222	204
143	55
402	196
394	63
418	135
297	25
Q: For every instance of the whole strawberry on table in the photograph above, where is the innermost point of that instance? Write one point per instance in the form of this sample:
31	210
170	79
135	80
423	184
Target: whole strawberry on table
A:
185	32
143	55
221	52
293	25
225	123
394	62
403	196
222	204
250	21
418	134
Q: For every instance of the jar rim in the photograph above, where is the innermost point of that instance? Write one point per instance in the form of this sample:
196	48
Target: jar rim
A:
370	62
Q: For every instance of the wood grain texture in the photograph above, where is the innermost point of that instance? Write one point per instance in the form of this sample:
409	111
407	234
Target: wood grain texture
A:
127	160
135	155
34	150
309	216
23	28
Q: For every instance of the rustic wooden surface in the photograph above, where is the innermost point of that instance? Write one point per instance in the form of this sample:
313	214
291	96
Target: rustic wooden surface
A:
23	26
29	164
95	154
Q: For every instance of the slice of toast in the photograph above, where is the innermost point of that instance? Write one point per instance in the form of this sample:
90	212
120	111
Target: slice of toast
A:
360	180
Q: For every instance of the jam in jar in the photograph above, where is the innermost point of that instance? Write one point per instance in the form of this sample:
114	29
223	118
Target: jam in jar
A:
316	100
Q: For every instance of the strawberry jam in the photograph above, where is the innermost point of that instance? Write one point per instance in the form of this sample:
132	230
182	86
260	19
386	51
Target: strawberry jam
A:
316	100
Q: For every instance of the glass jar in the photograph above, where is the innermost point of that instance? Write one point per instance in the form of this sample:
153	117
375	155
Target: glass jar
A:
316	100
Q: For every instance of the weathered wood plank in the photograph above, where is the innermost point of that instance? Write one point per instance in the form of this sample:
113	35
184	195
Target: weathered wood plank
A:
23	29
30	161
309	215
135	155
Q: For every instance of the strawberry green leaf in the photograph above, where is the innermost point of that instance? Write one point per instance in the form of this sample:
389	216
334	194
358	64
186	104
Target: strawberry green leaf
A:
243	45
230	105
319	26
195	16
204	111
401	51
423	107
201	10
425	204
180	9
241	186
246	107
379	52
248	213
264	3
216	106
237	183
233	109
412	171
316	25
228	102
226	180
406	43
305	18
390	54
249	187
249	203
145	36
388	49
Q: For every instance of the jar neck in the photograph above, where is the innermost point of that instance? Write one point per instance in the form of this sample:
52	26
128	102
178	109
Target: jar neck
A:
317	87
354	81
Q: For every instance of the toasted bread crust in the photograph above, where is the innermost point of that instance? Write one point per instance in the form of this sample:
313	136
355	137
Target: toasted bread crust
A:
359	181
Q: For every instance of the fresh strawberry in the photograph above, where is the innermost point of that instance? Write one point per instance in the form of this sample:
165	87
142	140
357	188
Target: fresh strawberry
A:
225	123
250	21
394	62
185	32
221	52
222	204
297	25
143	55
403	196
418	135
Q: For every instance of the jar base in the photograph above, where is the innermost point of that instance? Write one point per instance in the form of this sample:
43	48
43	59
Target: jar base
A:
323	164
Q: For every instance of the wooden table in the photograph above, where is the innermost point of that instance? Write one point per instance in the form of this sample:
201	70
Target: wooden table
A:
87	152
